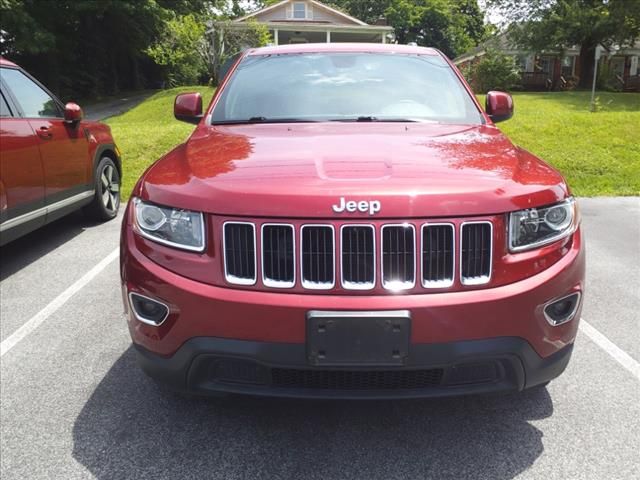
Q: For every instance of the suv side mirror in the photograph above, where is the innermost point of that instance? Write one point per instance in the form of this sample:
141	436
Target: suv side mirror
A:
499	106
188	108
72	113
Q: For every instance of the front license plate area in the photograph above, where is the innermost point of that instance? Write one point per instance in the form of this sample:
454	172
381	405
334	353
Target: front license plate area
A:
358	338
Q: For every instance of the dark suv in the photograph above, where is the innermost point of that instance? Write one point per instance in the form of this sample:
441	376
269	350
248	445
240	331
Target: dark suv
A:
52	162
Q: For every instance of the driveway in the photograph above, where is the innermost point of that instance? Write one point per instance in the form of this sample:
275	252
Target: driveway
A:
74	404
115	106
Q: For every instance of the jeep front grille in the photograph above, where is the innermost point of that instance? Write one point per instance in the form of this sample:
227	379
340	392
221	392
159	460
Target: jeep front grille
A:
475	252
438	258
325	257
358	260
398	257
278	258
317	253
240	253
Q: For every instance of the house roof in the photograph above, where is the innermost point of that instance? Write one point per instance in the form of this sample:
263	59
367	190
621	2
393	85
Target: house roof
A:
313	2
344	48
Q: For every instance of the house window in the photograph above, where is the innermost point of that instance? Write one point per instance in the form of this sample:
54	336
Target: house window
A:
617	66
300	10
568	66
521	62
545	65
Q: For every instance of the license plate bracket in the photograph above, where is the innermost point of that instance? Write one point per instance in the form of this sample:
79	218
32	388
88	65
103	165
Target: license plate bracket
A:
358	338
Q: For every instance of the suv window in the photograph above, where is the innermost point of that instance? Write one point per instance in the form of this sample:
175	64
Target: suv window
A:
4	108
345	87
35	102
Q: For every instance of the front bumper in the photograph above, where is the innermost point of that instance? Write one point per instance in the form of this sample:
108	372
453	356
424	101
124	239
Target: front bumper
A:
502	330
207	365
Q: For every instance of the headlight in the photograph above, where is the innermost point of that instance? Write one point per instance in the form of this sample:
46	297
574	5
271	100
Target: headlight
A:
170	226
536	227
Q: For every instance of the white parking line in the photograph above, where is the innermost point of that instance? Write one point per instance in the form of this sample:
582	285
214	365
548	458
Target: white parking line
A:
620	356
35	321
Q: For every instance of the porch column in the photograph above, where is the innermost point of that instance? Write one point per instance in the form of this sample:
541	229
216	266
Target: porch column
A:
328	36
275	36
384	37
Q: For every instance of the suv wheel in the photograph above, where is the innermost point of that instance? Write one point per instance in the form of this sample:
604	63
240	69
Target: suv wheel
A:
107	200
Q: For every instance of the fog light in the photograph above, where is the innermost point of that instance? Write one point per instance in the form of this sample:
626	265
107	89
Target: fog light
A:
562	310
147	310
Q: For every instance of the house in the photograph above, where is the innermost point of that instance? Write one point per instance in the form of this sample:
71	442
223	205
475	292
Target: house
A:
310	21
554	70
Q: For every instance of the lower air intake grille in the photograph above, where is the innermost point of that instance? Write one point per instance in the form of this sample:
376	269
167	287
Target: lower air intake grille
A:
356	379
318	260
278	264
240	253
437	255
358	257
475	268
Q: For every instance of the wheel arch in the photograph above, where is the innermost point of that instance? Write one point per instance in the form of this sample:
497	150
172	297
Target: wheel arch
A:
107	150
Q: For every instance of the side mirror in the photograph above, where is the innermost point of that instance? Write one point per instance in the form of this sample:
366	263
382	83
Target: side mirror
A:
72	113
499	106
188	108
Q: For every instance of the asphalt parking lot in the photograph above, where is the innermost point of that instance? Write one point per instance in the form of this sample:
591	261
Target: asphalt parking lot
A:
75	405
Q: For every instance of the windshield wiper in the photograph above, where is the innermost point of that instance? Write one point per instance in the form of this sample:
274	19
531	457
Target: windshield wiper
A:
375	119
262	120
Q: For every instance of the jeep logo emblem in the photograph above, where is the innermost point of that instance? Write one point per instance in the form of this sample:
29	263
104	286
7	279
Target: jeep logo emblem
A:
373	207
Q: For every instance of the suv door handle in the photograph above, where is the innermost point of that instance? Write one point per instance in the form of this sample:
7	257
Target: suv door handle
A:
45	132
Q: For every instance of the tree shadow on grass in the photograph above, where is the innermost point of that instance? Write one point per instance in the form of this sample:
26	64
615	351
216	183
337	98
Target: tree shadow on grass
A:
131	428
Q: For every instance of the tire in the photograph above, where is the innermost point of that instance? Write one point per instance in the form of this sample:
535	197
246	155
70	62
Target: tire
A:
106	202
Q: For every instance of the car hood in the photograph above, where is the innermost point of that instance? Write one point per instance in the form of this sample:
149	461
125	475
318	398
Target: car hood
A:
301	170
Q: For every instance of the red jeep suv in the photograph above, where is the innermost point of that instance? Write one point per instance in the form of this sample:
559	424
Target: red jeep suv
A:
51	160
347	222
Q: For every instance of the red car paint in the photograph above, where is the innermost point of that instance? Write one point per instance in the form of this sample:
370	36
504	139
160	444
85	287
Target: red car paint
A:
45	161
294	173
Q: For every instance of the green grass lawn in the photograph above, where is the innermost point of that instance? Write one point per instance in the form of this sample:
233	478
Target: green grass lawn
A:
146	132
599	153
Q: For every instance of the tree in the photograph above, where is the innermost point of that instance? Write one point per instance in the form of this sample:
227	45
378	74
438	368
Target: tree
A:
87	48
366	10
453	26
559	24
228	40
180	48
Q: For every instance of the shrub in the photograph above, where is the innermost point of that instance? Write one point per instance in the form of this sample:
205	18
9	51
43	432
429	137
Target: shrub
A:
494	71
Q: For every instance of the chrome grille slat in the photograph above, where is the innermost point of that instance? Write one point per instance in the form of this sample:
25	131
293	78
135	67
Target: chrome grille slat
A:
438	255
239	245
358	257
278	255
476	247
317	252
398	257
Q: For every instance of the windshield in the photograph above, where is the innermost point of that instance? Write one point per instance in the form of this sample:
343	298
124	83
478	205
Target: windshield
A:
345	87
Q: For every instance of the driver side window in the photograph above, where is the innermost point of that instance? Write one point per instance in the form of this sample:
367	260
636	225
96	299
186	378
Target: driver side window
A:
34	101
